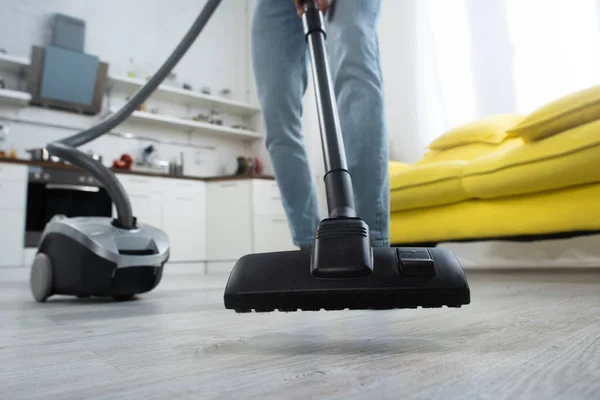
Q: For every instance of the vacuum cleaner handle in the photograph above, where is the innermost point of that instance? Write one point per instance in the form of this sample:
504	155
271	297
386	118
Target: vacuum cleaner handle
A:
338	181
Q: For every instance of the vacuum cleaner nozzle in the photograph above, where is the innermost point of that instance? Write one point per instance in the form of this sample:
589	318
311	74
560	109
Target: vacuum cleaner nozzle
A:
401	278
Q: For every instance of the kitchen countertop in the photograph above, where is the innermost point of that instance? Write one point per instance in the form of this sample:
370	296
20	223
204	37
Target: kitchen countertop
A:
51	165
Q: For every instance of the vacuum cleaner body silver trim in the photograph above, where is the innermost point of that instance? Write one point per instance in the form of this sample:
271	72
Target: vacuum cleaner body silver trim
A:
123	247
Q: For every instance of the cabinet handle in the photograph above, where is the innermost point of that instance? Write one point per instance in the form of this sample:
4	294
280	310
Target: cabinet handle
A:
185	198
275	198
139	196
228	185
279	220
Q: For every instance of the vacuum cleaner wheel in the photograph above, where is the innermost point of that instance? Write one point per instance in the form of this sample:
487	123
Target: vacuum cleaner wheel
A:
40	280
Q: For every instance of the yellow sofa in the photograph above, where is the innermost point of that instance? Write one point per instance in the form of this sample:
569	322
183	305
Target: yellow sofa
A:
512	186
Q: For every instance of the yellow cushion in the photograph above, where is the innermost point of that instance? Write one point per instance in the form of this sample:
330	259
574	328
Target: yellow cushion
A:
565	113
468	152
427	185
490	129
397	166
567	210
569	159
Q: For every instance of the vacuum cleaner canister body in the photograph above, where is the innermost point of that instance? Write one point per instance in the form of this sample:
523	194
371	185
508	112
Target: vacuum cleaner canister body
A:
92	257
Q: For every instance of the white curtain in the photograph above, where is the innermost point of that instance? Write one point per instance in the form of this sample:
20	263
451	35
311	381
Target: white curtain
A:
479	57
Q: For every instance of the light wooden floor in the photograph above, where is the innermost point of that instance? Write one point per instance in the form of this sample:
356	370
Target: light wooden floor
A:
523	336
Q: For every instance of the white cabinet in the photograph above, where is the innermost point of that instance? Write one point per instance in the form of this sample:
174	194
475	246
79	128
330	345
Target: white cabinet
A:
271	233
245	216
229	219
184	220
177	206
271	230
13	192
147	207
12	223
145	196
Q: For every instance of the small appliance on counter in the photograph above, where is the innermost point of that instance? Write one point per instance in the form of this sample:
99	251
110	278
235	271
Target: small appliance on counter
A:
147	160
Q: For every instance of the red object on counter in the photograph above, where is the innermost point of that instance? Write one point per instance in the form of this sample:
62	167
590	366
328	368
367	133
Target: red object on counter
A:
125	162
127	159
258	167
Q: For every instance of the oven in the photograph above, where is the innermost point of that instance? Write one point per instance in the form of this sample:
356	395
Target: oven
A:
61	191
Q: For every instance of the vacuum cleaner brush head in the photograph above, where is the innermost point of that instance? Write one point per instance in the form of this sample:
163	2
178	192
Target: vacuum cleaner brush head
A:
401	278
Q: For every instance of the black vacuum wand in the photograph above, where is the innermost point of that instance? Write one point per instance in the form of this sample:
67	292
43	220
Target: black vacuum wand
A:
343	229
342	271
338	182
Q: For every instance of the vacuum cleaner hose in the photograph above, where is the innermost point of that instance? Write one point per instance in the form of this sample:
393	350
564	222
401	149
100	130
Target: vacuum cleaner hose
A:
66	148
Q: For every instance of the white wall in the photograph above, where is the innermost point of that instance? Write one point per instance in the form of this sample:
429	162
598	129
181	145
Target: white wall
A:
120	30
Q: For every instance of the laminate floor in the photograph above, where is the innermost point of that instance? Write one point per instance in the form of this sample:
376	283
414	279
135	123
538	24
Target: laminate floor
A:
525	335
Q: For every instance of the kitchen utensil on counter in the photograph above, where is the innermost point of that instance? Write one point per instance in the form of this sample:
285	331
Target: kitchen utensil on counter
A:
244	166
148	160
41	154
176	166
187	86
205	90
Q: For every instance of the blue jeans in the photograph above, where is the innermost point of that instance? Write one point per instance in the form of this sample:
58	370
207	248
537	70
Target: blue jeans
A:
280	60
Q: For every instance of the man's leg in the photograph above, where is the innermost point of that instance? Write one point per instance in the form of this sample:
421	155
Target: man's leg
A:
354	53
280	70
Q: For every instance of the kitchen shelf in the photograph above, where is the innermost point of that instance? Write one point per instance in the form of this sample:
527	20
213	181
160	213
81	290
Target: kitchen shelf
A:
13	63
202	127
174	94
14	97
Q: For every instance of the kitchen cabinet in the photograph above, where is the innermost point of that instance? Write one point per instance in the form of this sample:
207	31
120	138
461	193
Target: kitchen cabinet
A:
229	221
13	191
147	207
245	216
271	233
176	206
145	196
12	237
184	220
